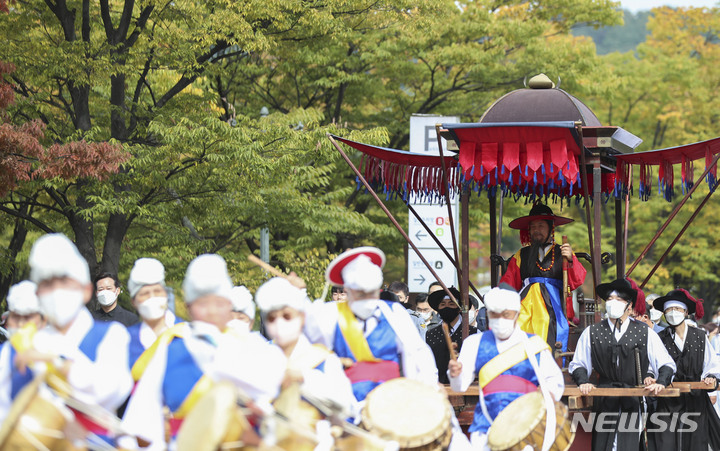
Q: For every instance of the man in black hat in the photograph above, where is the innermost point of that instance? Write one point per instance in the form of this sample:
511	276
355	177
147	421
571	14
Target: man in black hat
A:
451	315
537	270
616	348
696	361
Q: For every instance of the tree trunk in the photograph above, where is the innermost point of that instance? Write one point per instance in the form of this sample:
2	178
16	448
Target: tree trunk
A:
16	244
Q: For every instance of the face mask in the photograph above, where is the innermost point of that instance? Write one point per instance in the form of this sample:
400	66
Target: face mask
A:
239	325
106	297
448	314
472	317
363	309
61	306
655	315
285	332
615	309
425	316
153	308
674	318
502	327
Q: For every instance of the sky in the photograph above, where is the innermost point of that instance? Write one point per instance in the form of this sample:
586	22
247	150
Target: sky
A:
640	5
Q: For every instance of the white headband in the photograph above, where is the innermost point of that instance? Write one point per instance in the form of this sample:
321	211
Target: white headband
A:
362	274
54	255
207	274
145	271
669	304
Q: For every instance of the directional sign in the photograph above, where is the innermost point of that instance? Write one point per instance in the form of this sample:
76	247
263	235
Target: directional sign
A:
420	277
436	218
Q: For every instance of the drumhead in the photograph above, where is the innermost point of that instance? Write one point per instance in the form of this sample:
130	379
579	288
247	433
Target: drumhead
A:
208	423
516	421
41	408
392	411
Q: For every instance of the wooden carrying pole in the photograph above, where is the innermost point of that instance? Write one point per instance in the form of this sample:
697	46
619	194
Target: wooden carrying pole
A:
392	218
448	340
566	285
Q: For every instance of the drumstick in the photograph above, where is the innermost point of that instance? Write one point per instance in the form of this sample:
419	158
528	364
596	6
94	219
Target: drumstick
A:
448	340
271	269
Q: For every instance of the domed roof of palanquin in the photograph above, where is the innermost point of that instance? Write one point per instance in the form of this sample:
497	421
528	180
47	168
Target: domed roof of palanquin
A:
541	101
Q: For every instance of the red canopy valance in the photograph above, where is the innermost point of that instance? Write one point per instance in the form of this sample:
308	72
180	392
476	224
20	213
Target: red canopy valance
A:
664	159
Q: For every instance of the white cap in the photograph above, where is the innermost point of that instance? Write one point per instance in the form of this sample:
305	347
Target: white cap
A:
54	255
145	271
242	301
362	274
498	300
207	274
22	298
277	293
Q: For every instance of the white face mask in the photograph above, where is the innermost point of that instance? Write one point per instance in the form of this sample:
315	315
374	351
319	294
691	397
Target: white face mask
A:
425	316
363	309
615	309
674	318
238	325
285	332
471	317
153	308
655	315
502	327
61	306
106	297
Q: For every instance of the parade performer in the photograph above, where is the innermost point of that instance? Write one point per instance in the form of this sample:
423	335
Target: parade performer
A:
187	360
318	370
536	271
149	297
24	319
696	361
376	340
90	356
499	358
435	338
609	348
243	309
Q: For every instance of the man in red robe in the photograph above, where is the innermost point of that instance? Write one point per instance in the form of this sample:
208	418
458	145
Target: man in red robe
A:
536	271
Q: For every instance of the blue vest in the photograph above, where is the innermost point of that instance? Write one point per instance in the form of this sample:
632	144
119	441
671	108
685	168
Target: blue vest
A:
495	402
136	347
181	374
88	346
383	344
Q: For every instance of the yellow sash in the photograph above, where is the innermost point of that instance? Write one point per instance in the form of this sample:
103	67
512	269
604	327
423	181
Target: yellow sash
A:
177	331
353	334
508	359
202	386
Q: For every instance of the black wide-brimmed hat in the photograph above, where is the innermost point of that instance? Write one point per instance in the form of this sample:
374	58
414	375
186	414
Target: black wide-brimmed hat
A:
538	211
621	286
675	295
436	297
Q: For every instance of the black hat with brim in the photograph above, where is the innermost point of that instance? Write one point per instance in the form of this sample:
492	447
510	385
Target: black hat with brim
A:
538	211
675	295
621	286
436	297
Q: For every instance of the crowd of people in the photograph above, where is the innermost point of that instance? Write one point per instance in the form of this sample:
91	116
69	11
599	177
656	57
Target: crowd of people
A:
151	370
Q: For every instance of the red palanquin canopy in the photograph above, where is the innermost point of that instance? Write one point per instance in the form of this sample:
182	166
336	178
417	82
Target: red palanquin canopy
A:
522	159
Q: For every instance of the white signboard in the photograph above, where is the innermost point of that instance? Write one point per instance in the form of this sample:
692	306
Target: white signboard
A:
437	220
420	277
423	140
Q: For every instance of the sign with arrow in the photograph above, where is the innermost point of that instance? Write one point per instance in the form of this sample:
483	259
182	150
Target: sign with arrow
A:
422	277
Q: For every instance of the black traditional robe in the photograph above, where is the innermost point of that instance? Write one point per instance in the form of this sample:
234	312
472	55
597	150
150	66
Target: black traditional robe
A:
689	363
615	363
435	338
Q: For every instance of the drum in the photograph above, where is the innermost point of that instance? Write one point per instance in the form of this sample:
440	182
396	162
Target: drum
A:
36	420
214	422
415	415
522	423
